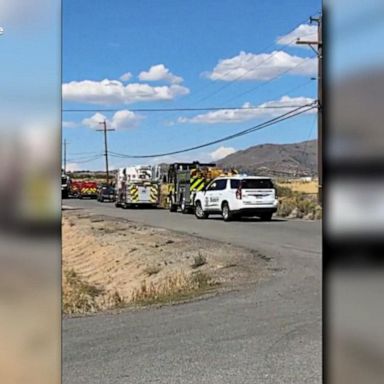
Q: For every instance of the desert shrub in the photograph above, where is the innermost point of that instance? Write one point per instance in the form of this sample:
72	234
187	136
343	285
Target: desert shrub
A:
152	270
283	191
199	260
174	288
299	205
81	297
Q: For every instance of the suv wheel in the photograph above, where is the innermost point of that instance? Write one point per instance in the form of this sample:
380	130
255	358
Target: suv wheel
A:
226	212
199	212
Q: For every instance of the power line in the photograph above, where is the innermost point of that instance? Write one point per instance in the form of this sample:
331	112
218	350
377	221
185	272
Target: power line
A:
84	157
228	84
262	50
85	160
277	76
182	109
278	119
265	49
85	153
205	97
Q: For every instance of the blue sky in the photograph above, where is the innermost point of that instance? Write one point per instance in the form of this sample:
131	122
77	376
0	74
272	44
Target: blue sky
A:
183	54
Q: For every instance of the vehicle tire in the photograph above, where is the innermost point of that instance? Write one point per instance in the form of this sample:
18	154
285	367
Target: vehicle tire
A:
199	213
172	205
226	212
101	200
266	216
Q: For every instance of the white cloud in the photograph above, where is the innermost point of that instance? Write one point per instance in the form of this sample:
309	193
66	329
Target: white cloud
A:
72	167
263	66
222	152
123	119
126	76
285	104
94	121
114	91
69	124
160	72
303	31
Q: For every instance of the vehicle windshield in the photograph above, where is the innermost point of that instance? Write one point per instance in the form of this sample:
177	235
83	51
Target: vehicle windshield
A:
252	183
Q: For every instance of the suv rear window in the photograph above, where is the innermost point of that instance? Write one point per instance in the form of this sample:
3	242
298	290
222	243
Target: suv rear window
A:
252	184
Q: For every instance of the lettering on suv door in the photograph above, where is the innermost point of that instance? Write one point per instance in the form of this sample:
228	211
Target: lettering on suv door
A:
214	194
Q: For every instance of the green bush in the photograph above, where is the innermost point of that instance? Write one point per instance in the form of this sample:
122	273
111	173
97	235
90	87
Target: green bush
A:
299	205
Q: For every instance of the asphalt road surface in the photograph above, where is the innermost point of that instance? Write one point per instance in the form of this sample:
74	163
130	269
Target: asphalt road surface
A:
270	333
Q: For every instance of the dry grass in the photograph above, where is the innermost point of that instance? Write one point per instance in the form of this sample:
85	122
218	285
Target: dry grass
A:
174	288
112	263
152	270
81	297
299	206
300	185
199	260
295	200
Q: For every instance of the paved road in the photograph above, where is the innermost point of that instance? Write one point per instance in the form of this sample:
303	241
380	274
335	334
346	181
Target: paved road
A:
267	334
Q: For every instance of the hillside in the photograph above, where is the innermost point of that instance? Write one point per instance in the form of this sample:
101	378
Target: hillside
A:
298	159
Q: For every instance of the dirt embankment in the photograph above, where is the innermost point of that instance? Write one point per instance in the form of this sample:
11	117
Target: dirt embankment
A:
109	263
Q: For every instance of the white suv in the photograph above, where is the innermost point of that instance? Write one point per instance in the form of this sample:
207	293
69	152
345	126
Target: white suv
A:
237	196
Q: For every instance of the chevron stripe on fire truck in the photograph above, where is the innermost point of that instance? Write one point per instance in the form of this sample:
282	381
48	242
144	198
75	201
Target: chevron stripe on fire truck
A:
88	190
154	193
134	192
197	183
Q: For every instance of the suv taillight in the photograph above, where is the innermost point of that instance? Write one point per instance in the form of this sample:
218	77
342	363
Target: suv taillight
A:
239	194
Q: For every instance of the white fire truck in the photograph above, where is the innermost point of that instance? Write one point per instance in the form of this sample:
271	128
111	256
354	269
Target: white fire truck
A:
137	186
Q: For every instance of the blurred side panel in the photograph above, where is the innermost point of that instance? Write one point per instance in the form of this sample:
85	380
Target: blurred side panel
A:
30	254
354	192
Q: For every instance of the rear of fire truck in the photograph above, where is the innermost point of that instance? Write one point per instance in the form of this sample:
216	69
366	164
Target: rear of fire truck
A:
186	179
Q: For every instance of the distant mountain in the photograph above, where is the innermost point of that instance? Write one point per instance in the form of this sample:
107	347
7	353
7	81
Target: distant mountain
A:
298	159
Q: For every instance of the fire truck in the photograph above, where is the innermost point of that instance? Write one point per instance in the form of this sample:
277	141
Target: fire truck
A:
82	189
74	188
186	179
137	186
88	189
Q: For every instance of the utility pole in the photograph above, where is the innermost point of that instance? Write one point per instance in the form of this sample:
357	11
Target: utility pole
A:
105	130
319	53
